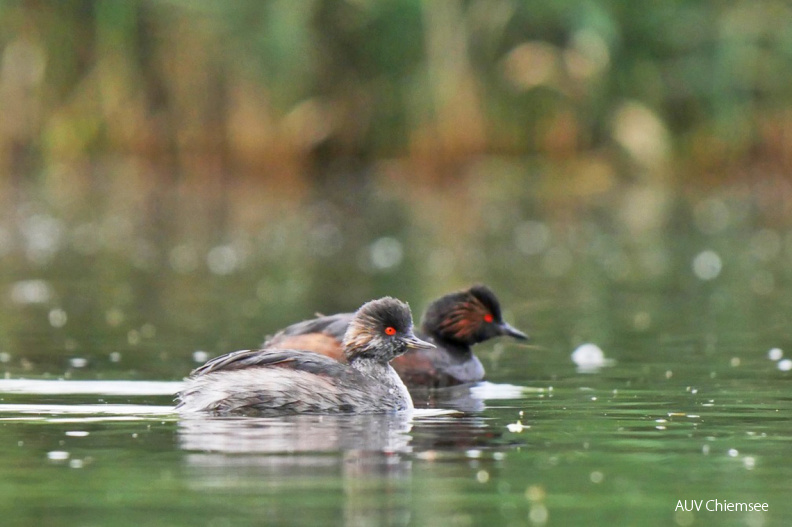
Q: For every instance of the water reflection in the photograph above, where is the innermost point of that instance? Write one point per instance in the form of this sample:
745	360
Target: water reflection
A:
360	458
301	433
363	463
425	430
369	488
366	466
470	398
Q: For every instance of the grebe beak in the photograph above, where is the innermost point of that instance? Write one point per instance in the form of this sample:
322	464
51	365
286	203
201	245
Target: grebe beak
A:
414	343
506	329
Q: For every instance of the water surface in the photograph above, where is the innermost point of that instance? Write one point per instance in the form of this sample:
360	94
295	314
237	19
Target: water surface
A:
106	310
597	449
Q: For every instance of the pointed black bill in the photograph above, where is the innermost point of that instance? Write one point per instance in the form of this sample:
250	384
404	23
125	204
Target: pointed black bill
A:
506	329
414	343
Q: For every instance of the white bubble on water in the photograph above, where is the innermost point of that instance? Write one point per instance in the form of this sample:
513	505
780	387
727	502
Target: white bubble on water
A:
775	354
78	362
707	265
385	253
538	514
57	318
200	356
43	236
223	260
31	292
784	365
590	357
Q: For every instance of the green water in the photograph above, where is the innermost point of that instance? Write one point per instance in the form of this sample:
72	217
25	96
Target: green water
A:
690	408
591	451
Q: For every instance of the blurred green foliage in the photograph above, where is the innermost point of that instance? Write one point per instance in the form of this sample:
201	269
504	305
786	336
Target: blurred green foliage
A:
274	89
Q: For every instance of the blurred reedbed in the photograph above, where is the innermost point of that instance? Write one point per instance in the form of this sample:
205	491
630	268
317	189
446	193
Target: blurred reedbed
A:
292	94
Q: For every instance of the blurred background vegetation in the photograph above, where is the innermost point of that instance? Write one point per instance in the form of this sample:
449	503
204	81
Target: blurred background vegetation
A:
287	91
294	156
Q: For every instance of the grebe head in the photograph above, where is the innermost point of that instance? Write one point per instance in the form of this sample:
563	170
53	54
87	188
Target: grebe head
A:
381	330
469	317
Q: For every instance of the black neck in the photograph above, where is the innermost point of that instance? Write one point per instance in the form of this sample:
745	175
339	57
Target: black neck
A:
452	346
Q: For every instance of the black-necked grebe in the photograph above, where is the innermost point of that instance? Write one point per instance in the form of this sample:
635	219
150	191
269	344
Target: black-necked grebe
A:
277	380
454	323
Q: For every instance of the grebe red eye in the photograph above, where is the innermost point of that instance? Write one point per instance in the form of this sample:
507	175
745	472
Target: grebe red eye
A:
390	330
488	318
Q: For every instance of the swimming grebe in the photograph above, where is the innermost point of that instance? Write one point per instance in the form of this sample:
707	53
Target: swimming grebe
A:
278	380
454	323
